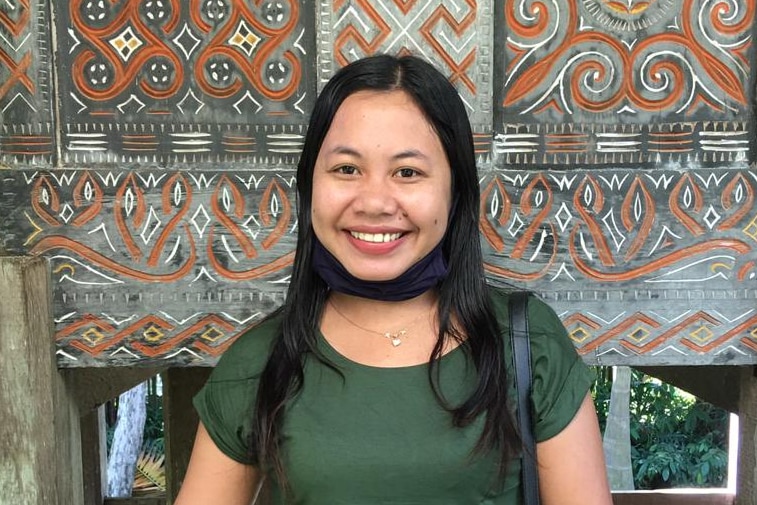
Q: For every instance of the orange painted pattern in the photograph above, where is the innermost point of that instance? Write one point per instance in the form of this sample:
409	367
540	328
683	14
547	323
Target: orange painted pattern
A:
145	229
60	243
17	73
696	318
740	329
618	331
460	67
637	193
125	73
188	333
487	230
351	35
697	202
530	83
653	266
538	186
252	68
647	238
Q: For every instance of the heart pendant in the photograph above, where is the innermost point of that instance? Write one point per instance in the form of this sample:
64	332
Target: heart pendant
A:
396	342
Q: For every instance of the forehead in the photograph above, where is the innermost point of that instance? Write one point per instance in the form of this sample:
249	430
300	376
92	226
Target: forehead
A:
393	116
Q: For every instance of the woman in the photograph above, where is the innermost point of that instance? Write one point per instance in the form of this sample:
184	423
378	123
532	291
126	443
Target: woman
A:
385	377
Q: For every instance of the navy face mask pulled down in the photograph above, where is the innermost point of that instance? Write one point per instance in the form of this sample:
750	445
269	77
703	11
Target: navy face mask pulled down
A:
416	280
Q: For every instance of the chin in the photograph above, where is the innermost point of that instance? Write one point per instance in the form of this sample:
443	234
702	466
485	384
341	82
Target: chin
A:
375	276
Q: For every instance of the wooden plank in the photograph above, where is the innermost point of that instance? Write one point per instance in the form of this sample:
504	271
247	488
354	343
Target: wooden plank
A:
673	497
747	470
40	459
180	421
137	500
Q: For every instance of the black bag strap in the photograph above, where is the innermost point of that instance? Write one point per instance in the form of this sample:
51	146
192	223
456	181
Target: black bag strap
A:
518	308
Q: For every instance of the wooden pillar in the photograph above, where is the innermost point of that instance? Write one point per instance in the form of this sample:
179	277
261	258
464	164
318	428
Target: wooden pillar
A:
94	457
40	448
746	493
180	422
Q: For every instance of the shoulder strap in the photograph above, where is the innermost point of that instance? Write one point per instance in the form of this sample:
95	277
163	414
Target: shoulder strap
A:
518	308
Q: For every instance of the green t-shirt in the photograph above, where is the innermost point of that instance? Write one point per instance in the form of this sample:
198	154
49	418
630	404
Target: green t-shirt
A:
379	436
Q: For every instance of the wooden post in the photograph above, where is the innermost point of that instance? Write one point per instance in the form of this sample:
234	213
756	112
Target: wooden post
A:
180	422
746	493
40	449
94	457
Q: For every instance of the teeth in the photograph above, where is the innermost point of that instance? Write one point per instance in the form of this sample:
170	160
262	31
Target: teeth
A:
376	237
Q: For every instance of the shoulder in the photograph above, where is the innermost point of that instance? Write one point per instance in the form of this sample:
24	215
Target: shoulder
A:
542	320
560	379
225	402
248	355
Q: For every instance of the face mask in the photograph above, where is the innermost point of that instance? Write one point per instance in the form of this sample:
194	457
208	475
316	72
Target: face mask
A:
418	279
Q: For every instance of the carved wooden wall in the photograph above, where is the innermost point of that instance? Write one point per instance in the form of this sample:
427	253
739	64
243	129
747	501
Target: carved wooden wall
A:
147	148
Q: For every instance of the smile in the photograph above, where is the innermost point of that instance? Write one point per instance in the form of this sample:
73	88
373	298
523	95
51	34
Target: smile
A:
376	237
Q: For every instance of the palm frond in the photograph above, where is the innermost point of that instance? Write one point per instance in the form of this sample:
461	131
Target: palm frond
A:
151	470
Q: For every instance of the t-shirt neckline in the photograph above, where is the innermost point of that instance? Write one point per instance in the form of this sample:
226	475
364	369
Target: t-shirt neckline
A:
331	352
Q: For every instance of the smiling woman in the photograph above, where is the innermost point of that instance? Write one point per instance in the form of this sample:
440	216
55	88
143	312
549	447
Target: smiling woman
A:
381	186
386	376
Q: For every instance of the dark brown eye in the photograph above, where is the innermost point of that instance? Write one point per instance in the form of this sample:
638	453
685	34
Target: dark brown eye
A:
407	172
346	170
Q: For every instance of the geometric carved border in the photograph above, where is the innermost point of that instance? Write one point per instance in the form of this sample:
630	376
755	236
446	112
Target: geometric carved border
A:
166	267
455	35
27	133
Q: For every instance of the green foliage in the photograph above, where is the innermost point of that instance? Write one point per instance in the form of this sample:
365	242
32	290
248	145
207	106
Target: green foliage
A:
677	440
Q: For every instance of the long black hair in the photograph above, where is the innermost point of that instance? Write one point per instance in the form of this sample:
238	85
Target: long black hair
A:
462	293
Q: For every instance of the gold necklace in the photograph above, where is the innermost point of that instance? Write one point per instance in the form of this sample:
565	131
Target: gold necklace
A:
394	337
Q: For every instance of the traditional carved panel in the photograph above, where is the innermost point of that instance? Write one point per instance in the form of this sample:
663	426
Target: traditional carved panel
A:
26	119
456	35
597	82
652	267
154	266
169	82
202	106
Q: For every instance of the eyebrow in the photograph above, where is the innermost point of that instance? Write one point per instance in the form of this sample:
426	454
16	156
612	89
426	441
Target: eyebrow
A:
403	155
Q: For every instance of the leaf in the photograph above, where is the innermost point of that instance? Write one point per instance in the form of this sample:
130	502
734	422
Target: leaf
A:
151	471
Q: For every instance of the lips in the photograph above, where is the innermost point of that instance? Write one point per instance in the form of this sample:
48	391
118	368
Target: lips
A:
377	238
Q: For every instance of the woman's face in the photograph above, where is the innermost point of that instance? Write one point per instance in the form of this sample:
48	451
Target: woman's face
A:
381	186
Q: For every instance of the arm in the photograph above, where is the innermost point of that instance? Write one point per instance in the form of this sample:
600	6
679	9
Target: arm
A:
571	464
213	477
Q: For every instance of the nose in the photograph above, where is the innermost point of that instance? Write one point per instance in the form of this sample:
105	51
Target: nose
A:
376	195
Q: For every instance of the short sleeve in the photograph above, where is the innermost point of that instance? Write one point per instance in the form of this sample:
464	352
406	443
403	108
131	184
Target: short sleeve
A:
560	379
225	403
225	409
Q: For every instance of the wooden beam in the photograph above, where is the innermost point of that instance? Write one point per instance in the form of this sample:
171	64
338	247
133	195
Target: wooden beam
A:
718	385
673	497
95	386
747	472
180	422
40	448
137	500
